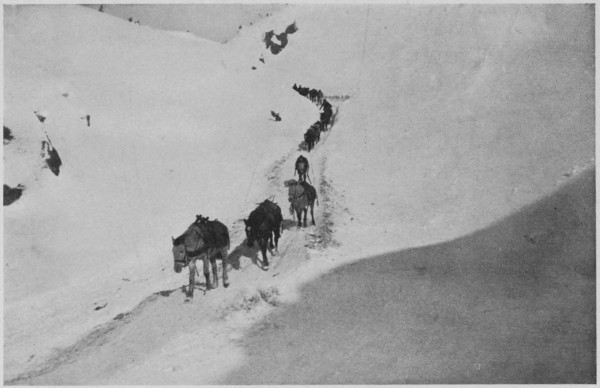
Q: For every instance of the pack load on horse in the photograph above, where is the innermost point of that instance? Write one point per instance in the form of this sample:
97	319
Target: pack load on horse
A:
301	168
264	225
301	196
209	239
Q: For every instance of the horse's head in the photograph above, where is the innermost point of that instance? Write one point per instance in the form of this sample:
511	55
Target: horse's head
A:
249	233
179	258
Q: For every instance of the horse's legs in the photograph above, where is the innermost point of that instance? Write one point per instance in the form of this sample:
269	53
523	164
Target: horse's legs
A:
277	235
213	263
299	214
224	256
262	242
192	268
305	213
206	271
312	215
271	246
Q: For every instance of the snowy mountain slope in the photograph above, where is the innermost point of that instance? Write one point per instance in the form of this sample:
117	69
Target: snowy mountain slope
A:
447	129
476	118
161	136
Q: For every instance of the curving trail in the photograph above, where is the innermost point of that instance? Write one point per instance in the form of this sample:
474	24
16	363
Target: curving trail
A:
167	341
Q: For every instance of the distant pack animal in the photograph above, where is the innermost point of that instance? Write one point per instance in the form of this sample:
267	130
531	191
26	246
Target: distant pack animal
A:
319	97
325	120
316	127
264	225
302	196
301	168
303	91
205	238
310	138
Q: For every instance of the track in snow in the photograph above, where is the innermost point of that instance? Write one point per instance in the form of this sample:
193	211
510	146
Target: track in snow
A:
188	337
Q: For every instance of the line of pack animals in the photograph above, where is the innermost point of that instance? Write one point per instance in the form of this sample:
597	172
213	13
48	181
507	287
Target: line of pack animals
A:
209	239
313	134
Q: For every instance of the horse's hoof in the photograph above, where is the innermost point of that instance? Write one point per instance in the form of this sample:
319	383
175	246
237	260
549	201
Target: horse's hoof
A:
225	285
187	300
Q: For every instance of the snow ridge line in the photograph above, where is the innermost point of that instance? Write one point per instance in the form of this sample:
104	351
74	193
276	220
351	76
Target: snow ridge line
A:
94	338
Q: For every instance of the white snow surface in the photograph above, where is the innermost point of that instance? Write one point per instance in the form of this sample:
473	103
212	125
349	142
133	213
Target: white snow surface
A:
458	116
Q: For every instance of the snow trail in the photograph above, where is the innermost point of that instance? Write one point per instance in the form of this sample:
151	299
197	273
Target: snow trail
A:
132	346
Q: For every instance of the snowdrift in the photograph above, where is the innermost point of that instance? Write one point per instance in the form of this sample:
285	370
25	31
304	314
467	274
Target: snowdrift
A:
510	304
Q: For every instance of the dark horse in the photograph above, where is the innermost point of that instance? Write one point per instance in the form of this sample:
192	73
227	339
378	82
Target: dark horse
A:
301	168
263	223
209	239
301	196
309	138
316	127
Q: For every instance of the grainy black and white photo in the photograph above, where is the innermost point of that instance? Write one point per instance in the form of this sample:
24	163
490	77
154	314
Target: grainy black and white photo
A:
311	194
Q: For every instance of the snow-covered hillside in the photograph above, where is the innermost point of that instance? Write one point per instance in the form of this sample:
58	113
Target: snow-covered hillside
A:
458	116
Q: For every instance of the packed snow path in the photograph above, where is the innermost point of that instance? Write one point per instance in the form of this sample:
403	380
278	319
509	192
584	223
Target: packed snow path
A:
132	346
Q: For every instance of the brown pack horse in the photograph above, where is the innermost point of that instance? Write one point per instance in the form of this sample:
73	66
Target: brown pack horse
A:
209	239
302	196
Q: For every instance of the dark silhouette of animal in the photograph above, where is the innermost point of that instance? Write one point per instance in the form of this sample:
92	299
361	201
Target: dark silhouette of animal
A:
301	168
310	137
325	119
316	127
319	97
264	225
303	91
208	239
302	196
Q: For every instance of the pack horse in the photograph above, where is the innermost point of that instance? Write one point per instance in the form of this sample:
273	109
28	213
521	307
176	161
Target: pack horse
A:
301	196
206	239
264	225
